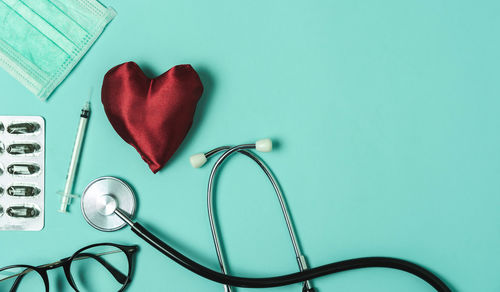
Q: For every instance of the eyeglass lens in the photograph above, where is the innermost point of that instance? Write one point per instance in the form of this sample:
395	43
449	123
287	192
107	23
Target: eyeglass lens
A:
100	268
23	278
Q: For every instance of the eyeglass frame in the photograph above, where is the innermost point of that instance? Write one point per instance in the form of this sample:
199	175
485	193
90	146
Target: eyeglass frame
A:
129	251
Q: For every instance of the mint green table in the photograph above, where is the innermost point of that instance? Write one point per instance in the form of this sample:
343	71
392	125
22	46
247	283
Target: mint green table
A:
387	118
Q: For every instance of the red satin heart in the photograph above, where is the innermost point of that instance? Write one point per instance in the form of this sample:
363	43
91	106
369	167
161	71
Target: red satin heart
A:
153	115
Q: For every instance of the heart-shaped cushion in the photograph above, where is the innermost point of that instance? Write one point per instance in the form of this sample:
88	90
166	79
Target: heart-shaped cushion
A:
153	115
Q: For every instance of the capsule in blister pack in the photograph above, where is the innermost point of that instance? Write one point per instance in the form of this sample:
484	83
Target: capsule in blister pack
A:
23	211
17	128
23	168
23	148
22	174
23	190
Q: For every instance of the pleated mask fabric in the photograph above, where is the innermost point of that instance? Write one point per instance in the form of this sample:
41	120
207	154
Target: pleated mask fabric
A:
42	40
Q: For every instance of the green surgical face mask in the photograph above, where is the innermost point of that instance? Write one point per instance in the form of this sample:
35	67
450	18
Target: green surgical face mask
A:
42	40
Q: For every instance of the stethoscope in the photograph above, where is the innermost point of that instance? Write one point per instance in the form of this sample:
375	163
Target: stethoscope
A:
109	204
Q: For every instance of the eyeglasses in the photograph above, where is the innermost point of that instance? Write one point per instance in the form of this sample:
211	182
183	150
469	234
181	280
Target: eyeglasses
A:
97	267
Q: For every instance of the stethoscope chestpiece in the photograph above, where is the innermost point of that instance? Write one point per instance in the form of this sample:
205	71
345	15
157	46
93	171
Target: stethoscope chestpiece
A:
102	197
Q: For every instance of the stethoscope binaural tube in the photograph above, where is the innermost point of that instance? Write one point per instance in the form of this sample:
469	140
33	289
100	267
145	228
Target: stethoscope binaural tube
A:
264	145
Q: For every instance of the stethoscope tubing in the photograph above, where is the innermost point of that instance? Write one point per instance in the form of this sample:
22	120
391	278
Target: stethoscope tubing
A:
337	267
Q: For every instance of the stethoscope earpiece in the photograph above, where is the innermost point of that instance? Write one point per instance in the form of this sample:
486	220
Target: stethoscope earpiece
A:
264	145
199	159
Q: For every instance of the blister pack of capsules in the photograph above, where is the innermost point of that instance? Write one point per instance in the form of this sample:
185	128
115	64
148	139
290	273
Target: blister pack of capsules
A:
22	172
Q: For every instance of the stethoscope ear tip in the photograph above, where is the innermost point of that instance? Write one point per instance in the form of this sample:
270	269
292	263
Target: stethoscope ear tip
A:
264	145
198	160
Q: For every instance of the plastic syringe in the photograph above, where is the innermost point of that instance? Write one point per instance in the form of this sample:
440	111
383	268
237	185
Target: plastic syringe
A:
68	188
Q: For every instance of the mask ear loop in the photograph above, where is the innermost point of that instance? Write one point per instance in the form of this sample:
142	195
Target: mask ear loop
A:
301	261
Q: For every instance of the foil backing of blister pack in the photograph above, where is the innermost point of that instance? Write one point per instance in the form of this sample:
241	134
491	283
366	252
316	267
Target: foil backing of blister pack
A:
22	172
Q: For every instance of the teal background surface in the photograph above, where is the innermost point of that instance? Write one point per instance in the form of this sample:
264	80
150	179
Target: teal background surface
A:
386	115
